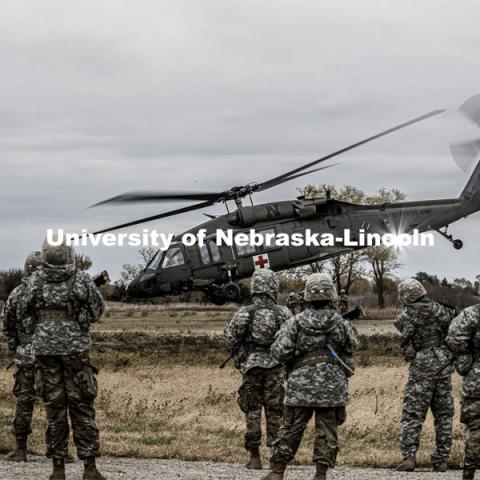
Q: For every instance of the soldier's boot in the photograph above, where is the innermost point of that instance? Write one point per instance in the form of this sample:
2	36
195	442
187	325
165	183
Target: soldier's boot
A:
91	472
20	452
58	469
468	473
408	465
441	467
255	462
321	473
278	470
69	458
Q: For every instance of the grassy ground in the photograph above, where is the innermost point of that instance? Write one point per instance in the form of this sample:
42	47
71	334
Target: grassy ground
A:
163	396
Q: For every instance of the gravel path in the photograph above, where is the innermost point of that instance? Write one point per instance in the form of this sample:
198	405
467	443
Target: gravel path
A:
134	469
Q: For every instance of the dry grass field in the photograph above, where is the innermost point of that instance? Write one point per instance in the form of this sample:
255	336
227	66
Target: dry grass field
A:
163	395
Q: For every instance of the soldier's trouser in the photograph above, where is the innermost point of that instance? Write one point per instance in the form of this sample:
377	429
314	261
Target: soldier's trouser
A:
420	395
24	391
295	420
470	416
261	388
67	384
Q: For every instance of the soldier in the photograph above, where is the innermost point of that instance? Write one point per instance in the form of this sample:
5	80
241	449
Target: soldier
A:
318	344
343	301
423	325
292	302
18	330
464	340
64	301
249	335
301	301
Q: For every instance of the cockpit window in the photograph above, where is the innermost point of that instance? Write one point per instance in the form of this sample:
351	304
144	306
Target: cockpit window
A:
173	258
155	262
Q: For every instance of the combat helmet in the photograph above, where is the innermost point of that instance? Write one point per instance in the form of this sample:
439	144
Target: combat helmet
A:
410	290
264	281
320	286
62	254
33	261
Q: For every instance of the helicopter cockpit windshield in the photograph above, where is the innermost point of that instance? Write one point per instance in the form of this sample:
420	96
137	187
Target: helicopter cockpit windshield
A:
173	258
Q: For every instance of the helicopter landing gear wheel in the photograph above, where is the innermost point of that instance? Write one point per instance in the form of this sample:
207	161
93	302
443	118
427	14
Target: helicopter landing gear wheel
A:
456	242
231	291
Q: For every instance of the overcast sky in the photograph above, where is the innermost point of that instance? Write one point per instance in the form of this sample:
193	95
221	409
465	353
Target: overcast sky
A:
102	97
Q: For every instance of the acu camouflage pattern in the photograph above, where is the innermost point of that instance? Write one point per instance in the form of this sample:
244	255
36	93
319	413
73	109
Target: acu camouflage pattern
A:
410	290
62	288
67	385
18	326
295	420
251	331
316	380
264	282
343	302
25	395
464	340
318	287
293	302
249	335
18	330
262	388
423	326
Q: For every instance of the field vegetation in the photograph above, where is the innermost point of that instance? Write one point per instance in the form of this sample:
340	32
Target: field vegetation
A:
161	393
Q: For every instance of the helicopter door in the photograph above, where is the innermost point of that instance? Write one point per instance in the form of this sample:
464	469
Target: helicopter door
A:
175	267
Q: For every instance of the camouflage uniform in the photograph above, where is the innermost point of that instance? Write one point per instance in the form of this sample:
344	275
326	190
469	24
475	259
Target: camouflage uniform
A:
18	330
64	301
292	302
249	335
343	302
423	325
317	383
464	340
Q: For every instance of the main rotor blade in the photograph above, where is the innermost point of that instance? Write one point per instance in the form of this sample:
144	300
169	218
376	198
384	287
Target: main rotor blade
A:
471	109
271	183
190	208
464	153
139	197
284	177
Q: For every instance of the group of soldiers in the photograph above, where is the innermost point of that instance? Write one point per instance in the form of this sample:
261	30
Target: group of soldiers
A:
312	346
46	323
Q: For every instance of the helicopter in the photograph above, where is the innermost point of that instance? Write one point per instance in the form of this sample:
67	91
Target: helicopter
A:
216	269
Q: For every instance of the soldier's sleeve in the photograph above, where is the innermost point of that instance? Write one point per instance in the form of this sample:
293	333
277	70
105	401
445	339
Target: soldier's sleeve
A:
236	329
444	315
283	348
95	299
462	329
285	315
9	321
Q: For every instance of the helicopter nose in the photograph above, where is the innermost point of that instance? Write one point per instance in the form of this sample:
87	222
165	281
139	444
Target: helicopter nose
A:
134	288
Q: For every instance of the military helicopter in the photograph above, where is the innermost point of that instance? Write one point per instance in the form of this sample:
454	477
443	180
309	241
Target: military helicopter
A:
216	269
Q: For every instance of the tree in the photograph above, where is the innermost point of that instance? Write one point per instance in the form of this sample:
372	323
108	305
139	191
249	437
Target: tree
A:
347	269
10	279
344	269
383	261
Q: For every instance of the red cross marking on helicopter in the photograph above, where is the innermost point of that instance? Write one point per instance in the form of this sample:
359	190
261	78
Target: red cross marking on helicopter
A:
261	261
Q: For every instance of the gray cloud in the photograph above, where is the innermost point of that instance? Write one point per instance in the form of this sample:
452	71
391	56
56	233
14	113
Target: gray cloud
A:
104	97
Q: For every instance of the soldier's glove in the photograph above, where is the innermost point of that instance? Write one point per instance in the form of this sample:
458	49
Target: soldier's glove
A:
464	363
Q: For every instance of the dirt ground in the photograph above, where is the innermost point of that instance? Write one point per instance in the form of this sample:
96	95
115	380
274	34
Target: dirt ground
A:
134	469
